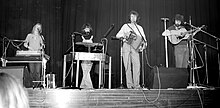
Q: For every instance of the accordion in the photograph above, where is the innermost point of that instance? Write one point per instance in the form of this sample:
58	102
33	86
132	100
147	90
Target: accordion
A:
134	40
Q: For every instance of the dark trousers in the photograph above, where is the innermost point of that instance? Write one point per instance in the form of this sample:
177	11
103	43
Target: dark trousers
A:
35	71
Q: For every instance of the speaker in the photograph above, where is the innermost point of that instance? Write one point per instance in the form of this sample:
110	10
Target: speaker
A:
170	77
16	71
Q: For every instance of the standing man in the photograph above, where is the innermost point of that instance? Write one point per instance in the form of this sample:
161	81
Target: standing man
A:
177	35
131	33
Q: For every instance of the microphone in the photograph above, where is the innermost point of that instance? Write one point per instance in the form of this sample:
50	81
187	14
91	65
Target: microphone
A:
43	44
18	47
186	23
42	37
109	30
39	31
76	33
114	38
165	19
190	20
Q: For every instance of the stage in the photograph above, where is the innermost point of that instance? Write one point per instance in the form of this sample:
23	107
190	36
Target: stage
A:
155	98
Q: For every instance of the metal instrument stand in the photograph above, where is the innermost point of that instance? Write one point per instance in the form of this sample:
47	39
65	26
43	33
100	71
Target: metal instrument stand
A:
217	40
42	82
73	55
192	63
121	64
193	66
101	82
217	45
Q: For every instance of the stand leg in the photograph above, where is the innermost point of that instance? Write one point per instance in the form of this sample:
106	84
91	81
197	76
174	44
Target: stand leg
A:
121	58
100	74
142	67
64	70
110	73
206	66
44	72
77	73
191	50
217	41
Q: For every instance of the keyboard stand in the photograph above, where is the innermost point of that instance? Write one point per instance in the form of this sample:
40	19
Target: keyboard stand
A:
42	60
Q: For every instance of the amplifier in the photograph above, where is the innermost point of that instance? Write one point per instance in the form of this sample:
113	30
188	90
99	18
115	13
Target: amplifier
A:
16	71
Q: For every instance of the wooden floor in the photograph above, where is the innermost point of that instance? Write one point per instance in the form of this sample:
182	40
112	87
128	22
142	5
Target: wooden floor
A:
155	98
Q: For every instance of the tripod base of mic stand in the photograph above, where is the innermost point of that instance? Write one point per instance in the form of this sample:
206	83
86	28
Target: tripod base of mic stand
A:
144	88
38	85
194	86
121	87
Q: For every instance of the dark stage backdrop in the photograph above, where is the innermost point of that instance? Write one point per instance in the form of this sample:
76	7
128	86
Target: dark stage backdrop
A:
60	18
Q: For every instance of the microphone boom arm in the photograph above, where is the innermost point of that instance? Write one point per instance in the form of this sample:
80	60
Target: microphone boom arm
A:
109	30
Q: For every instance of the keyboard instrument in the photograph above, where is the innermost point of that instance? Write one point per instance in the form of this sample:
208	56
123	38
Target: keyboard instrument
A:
86	56
28	53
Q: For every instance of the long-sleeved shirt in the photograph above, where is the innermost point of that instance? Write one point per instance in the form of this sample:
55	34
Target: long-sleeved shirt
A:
125	31
33	42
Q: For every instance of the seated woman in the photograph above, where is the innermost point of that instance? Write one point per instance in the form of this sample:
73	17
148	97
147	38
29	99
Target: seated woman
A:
86	64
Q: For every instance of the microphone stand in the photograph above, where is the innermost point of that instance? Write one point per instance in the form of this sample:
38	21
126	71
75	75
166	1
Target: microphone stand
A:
193	66
142	59
104	51
102	74
121	60
217	45
42	84
192	63
165	39
142	67
43	63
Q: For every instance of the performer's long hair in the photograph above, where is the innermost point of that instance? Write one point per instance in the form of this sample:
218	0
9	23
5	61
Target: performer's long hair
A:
37	27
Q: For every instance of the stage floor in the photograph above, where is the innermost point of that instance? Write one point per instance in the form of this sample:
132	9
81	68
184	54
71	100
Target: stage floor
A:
155	98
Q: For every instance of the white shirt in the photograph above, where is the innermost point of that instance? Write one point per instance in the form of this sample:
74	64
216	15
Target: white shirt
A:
125	31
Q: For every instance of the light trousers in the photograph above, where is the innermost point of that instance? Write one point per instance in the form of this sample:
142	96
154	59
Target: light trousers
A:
131	61
86	80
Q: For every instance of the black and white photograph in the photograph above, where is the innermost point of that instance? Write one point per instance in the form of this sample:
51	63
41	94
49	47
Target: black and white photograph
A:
109	53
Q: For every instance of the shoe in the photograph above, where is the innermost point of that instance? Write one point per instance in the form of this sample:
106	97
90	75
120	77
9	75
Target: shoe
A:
137	87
